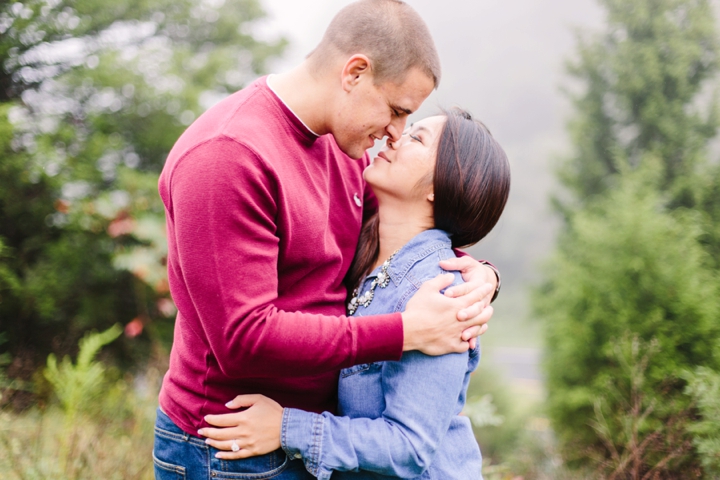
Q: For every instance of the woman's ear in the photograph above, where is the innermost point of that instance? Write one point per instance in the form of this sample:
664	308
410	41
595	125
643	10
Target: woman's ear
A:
431	197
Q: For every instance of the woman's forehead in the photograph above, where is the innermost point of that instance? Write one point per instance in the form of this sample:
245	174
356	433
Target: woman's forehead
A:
432	124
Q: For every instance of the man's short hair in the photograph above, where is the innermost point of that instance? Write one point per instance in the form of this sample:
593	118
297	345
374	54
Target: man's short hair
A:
389	32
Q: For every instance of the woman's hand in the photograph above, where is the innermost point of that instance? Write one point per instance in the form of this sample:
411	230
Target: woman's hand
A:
254	431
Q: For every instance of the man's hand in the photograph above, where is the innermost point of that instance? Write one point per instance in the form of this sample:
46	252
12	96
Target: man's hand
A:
430	321
252	432
475	275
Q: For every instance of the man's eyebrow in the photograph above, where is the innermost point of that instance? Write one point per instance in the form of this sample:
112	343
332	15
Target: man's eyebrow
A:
398	108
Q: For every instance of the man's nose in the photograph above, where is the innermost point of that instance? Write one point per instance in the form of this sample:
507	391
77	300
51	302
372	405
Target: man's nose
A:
395	128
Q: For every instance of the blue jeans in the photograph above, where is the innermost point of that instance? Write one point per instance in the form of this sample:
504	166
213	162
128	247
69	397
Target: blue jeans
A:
177	455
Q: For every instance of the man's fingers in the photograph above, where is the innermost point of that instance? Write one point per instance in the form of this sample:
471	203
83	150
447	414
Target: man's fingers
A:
458	264
478	320
438	283
475	301
467	287
469	335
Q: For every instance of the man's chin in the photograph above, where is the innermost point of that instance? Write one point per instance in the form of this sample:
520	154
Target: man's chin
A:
355	152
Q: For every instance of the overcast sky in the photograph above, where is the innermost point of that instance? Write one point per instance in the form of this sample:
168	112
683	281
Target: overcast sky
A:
503	61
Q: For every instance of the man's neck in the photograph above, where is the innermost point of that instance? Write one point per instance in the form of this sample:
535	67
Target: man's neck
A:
304	94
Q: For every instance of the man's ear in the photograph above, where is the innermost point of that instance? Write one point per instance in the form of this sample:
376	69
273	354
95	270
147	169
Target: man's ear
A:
357	68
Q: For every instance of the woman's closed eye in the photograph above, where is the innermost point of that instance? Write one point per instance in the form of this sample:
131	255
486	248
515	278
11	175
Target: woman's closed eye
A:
414	137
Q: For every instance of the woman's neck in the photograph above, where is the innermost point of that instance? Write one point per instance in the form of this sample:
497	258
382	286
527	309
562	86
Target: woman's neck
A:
398	225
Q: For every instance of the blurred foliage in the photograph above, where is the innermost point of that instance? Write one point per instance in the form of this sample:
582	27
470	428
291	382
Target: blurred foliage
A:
626	265
643	95
513	431
92	97
97	428
638	446
636	262
704	386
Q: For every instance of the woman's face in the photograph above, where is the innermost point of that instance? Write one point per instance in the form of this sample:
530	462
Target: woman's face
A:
400	167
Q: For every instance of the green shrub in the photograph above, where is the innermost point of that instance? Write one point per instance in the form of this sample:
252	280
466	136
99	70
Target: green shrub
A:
101	426
704	386
625	266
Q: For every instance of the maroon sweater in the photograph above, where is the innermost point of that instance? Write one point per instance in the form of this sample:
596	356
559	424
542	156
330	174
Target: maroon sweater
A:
263	218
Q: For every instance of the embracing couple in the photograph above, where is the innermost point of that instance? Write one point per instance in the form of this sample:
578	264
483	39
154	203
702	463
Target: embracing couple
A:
319	332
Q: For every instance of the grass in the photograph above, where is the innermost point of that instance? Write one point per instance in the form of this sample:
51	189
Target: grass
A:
101	425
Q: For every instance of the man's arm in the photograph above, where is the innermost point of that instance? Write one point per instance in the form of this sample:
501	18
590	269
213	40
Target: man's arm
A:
222	203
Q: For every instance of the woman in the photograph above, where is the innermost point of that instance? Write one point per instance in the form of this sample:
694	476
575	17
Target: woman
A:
442	186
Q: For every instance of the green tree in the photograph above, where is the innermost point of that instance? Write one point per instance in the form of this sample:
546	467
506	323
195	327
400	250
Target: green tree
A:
92	96
638	253
643	94
704	386
627	266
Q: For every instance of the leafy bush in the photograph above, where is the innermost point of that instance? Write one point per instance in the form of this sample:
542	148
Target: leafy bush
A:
626	266
704	386
101	427
633	444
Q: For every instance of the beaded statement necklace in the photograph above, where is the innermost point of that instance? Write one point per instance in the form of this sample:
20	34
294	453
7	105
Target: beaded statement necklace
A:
382	280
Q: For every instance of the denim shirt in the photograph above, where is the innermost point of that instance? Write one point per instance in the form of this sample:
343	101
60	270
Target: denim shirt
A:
399	419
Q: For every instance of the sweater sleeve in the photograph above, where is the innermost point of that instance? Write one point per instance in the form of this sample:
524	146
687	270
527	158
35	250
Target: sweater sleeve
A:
221	201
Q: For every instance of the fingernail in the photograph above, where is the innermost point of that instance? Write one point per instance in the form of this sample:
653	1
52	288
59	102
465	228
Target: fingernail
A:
228	404
217	455
449	293
201	432
207	441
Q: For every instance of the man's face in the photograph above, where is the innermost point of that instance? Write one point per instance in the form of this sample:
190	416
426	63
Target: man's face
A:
371	112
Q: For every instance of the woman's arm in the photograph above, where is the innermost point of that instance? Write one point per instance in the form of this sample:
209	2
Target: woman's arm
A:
421	398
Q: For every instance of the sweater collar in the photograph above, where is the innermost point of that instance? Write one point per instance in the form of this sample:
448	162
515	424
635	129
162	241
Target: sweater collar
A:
296	122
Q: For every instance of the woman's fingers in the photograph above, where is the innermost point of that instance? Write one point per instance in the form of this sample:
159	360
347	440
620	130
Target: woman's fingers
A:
225	419
220	433
225	444
245	400
227	452
234	455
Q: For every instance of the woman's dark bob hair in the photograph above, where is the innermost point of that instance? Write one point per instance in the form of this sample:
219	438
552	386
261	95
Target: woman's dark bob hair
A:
471	184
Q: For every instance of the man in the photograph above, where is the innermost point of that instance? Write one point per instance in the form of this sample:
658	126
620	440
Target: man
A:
264	200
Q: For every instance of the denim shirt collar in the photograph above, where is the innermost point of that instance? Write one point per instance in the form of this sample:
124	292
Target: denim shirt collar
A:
429	241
